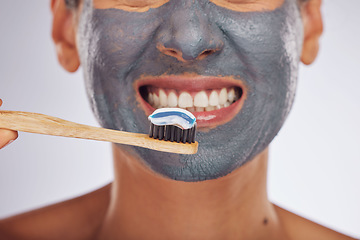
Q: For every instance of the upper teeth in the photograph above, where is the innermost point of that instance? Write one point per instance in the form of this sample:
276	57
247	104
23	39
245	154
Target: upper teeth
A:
185	100
201	99
194	101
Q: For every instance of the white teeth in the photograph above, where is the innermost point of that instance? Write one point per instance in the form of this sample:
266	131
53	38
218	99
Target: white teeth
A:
201	99
163	98
151	99
210	108
231	95
185	100
223	96
191	109
201	102
156	100
172	100
214	99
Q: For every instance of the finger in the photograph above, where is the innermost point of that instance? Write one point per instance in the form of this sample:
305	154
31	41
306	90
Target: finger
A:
7	137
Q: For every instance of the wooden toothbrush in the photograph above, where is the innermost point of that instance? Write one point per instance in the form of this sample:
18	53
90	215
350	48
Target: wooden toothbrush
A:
48	125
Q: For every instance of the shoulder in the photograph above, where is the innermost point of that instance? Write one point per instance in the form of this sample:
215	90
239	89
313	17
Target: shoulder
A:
299	228
78	218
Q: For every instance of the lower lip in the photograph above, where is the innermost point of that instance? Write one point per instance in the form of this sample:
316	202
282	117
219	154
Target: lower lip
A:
205	119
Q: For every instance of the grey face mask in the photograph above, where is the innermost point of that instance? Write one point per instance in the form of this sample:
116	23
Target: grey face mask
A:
260	48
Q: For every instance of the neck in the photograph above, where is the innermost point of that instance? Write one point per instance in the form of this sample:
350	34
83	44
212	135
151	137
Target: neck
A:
145	205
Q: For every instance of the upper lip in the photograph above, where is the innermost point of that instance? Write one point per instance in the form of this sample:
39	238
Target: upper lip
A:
189	83
195	83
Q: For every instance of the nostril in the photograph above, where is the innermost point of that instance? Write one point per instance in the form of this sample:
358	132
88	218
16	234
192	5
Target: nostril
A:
207	53
187	54
169	51
172	52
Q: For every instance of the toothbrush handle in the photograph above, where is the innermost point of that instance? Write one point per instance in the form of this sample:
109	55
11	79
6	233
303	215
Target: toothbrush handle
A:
43	124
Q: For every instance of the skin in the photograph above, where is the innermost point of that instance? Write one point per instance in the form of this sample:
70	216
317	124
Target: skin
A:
143	204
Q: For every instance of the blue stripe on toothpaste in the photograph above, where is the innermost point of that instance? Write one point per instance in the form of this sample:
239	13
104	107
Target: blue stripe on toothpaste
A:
172	117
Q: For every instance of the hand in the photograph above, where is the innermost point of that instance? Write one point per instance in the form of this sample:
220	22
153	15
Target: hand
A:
7	136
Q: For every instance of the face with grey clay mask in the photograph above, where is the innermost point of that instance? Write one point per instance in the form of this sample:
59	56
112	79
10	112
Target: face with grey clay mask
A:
238	68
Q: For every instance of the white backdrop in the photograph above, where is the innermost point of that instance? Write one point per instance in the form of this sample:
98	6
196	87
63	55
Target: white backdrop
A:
314	165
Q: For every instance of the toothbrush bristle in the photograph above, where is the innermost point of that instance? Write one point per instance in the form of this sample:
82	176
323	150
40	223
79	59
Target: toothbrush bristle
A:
172	133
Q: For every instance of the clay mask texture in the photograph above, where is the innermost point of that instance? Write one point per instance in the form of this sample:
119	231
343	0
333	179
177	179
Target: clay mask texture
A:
260	48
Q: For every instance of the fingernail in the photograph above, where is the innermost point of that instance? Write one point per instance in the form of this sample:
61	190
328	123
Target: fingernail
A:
7	144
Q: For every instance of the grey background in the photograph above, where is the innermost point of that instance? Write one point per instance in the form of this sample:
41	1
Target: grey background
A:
314	164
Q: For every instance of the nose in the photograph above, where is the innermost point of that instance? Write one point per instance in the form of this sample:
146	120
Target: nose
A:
189	36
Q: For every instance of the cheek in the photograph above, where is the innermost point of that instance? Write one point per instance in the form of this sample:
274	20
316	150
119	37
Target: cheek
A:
112	47
268	47
121	38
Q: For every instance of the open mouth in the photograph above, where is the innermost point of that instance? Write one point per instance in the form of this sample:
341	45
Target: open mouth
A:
213	100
